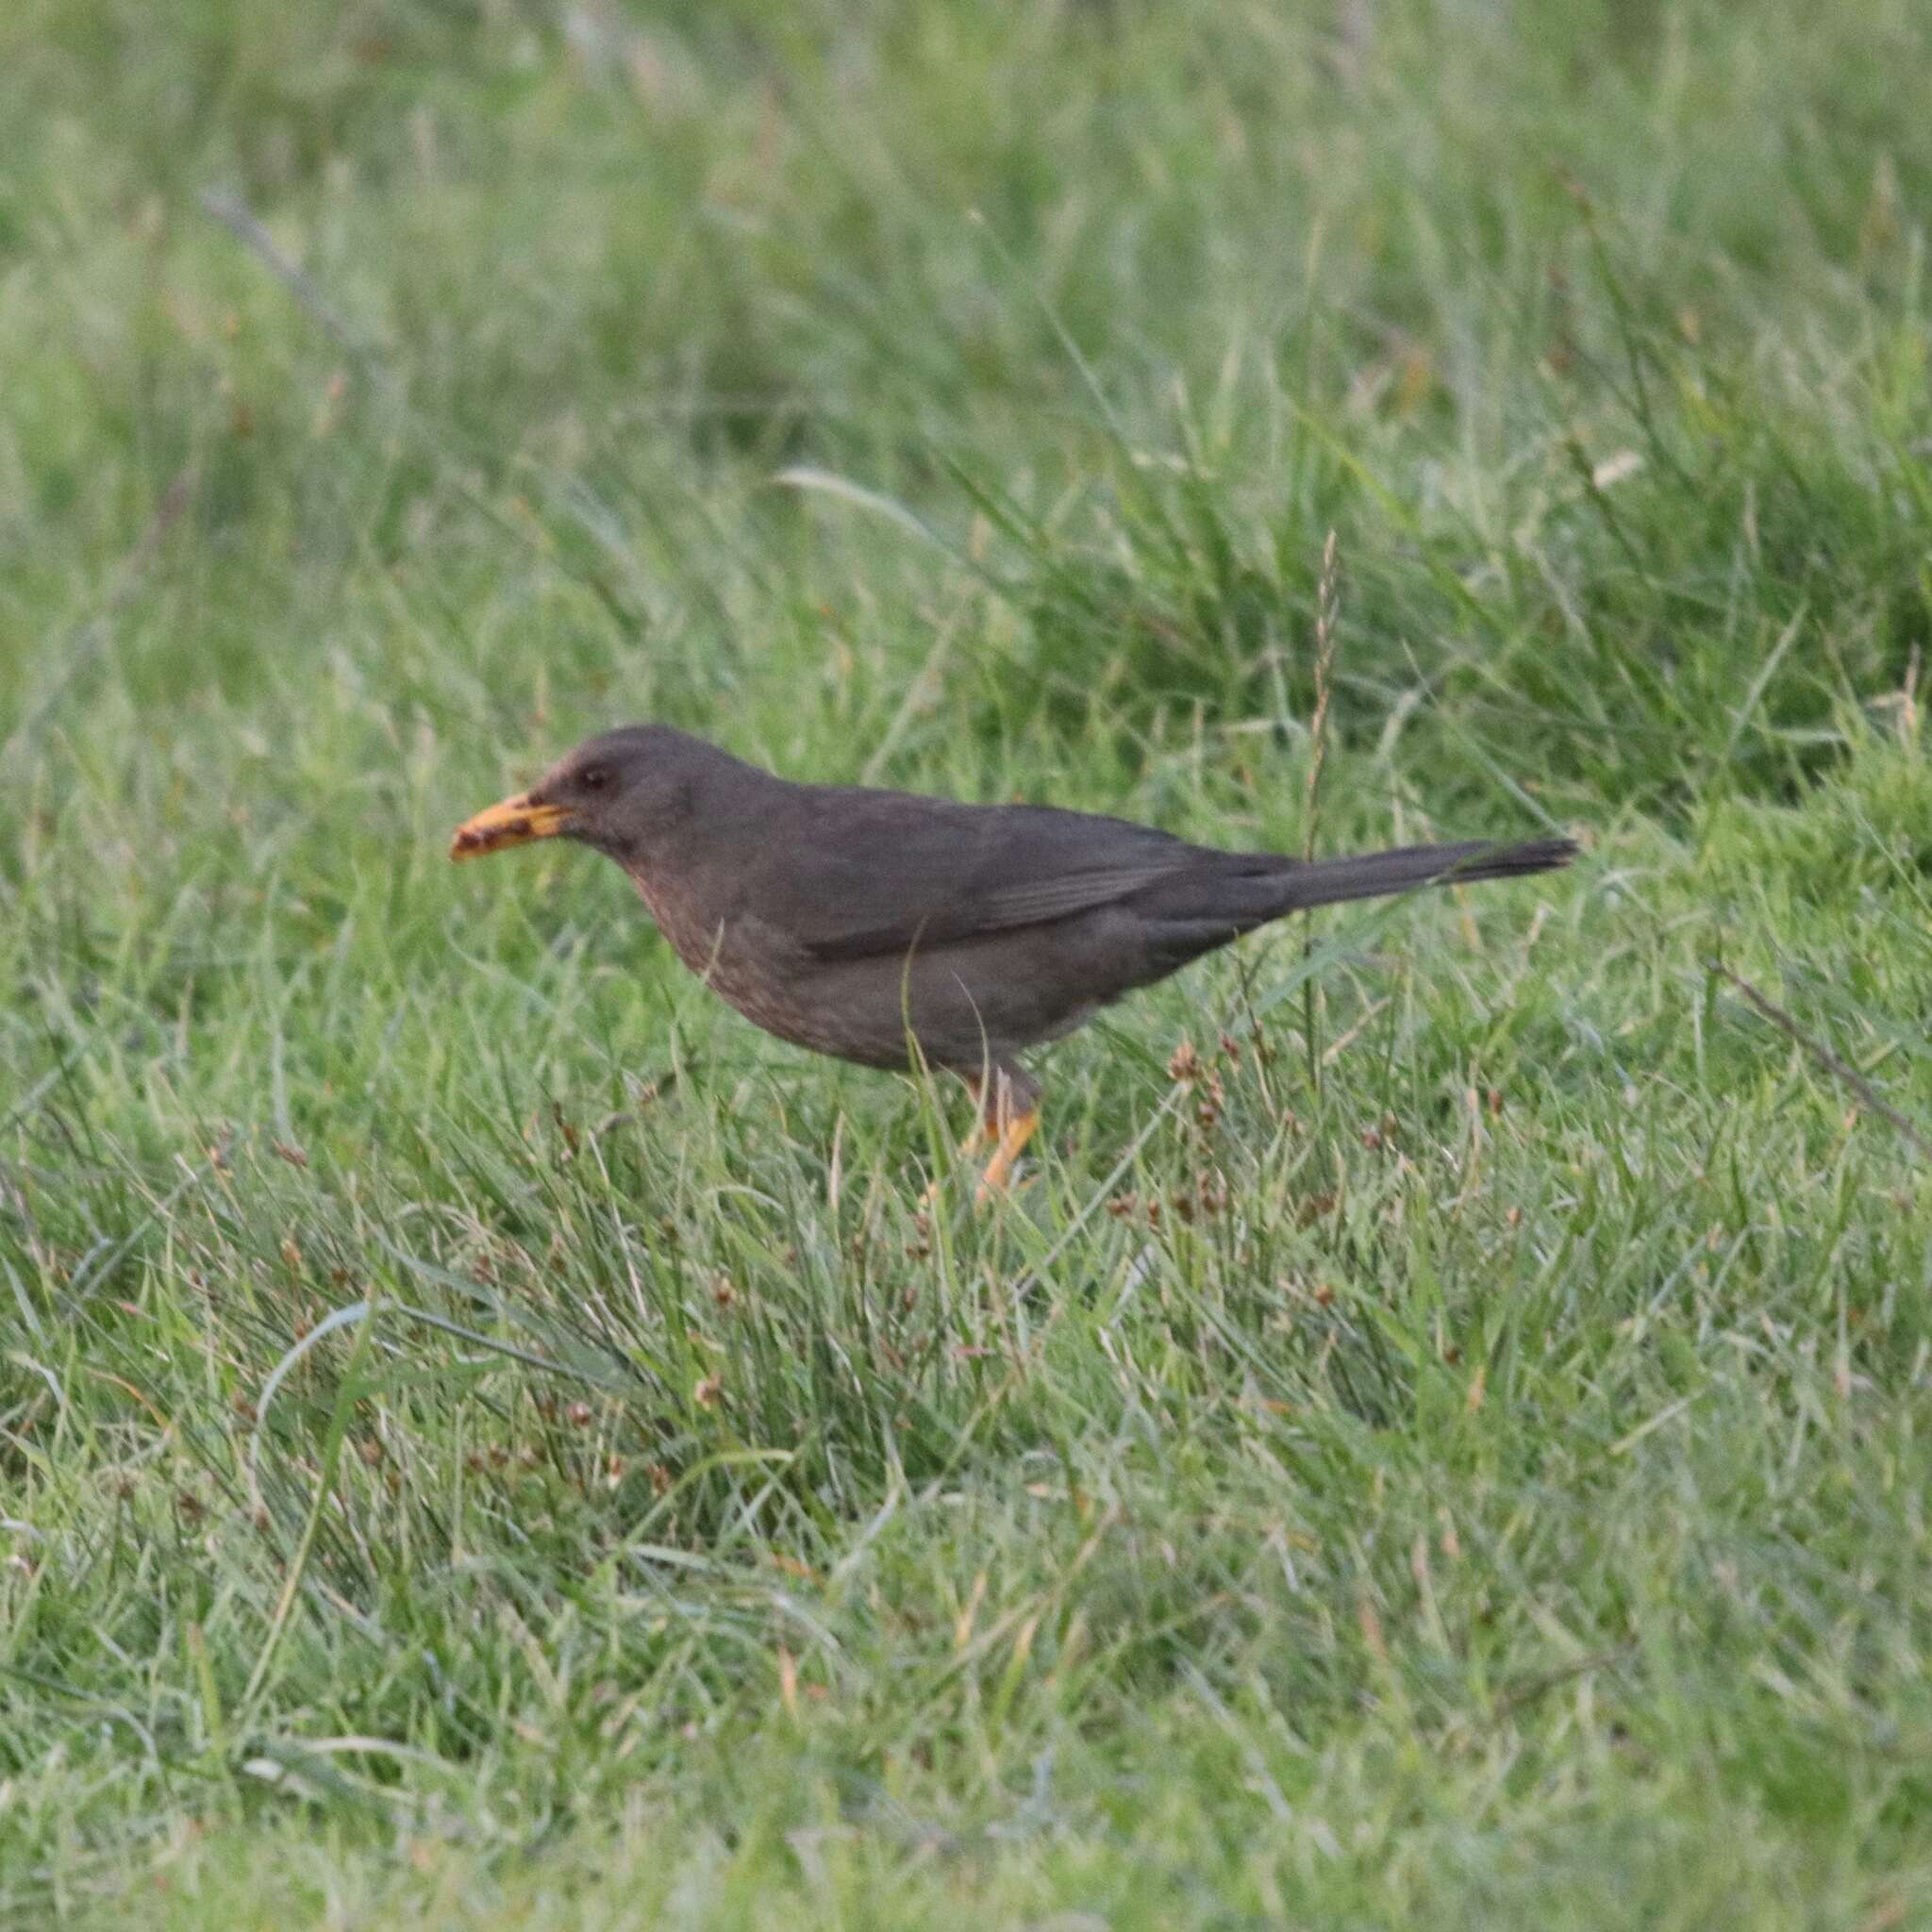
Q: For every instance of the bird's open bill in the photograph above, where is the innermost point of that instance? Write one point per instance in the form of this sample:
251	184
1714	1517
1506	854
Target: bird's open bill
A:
515	821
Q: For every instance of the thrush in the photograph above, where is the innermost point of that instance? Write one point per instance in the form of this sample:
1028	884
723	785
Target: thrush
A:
888	928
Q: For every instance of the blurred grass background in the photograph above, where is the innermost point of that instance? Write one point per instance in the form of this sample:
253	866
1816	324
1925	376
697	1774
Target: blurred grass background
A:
486	1438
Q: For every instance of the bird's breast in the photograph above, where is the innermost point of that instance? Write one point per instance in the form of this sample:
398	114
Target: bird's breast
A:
697	933
737	958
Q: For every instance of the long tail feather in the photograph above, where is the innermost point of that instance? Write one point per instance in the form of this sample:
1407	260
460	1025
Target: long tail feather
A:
1328	881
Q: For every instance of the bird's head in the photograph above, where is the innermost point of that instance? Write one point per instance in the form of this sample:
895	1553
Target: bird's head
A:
616	791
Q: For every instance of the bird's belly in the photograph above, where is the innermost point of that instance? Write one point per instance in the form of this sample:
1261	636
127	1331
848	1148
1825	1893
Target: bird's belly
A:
959	1003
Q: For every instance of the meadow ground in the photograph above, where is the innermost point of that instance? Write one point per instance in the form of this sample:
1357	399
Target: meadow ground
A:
487	1440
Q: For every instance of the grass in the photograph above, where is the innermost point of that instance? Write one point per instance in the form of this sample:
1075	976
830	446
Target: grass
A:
488	1440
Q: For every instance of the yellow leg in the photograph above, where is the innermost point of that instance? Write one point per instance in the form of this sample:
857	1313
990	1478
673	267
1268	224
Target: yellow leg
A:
1013	1137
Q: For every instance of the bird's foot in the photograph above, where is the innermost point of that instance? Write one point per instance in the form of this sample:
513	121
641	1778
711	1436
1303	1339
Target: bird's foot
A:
998	1176
1013	1138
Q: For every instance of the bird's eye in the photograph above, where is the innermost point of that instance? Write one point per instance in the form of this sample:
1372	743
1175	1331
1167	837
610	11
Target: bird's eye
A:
594	780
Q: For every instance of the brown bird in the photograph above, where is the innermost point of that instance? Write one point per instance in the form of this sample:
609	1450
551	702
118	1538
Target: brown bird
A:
863	924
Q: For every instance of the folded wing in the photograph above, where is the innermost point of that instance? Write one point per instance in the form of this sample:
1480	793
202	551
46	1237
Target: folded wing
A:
895	872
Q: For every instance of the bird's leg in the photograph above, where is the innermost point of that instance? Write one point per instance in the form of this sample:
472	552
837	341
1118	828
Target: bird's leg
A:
1013	1137
1008	1117
1009	1109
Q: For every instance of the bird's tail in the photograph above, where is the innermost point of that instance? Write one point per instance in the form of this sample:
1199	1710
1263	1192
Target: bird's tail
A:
1327	881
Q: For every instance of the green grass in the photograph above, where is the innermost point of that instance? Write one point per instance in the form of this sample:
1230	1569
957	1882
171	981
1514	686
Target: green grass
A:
1482	1484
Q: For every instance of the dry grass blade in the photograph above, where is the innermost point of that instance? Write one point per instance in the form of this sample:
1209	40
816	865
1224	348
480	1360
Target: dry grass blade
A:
1328	603
1840	1068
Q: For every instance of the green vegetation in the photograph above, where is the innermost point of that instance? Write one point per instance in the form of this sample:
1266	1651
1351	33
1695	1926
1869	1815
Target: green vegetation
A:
488	1440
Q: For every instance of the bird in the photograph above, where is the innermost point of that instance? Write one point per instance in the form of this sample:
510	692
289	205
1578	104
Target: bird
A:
893	930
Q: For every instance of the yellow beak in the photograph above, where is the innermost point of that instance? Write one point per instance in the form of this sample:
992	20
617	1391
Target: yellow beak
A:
515	821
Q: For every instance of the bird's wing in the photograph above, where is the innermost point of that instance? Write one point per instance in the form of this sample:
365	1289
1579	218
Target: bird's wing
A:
879	872
923	921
